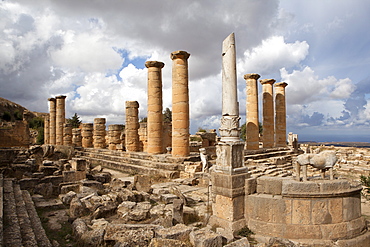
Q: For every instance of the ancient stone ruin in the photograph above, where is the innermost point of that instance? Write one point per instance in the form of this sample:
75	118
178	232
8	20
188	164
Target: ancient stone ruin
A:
154	184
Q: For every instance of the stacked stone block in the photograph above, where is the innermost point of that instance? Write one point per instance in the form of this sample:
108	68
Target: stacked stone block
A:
132	126
76	137
280	115
67	135
114	136
87	135
46	130
268	113
99	133
252	123
52	120
60	118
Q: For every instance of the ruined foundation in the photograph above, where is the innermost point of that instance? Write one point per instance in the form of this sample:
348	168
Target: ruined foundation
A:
317	212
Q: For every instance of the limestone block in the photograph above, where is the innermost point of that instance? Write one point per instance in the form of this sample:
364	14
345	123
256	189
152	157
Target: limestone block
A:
335	207
250	186
231	209
79	164
265	228
320	212
65	189
243	242
301	211
69	176
351	207
269	185
334	185
178	212
205	238
142	183
296	187
334	231
159	242
178	232
228	185
299	231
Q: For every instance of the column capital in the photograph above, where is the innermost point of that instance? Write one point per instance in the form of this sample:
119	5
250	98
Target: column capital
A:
267	81
251	76
156	64
51	99
180	54
134	104
61	97
281	84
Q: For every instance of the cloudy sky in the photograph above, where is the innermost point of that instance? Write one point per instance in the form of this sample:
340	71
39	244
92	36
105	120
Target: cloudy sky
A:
94	52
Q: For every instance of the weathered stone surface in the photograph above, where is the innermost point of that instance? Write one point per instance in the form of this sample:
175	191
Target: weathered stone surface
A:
160	242
179	232
178	212
205	238
44	189
77	208
79	227
70	188
143	183
239	243
67	198
124	209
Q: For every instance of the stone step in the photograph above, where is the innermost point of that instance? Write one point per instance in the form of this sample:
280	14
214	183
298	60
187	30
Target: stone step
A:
28	236
133	169
134	161
12	230
42	239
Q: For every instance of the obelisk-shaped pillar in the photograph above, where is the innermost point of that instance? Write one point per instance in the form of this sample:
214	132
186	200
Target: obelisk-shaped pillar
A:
229	172
180	104
52	120
132	126
46	130
252	123
268	113
280	115
155	116
60	118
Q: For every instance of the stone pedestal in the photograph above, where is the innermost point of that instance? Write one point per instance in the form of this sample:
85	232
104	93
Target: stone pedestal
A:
132	126
99	133
155	116
114	136
252	119
313	213
268	113
280	115
46	130
67	135
76	137
52	120
180	104
60	118
87	135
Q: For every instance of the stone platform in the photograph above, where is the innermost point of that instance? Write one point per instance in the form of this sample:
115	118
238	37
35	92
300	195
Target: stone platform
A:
319	212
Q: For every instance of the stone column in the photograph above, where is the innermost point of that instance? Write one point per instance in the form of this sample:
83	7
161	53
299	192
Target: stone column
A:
67	134
46	130
180	104
132	126
252	121
87	135
52	120
280	115
60	118
229	172
268	113
114	135
76	137
155	115
99	133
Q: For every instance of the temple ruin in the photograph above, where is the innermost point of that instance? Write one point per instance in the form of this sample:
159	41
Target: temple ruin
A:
177	189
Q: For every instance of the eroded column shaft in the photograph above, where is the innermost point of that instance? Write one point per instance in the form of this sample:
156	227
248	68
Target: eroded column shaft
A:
155	116
268	113
280	115
52	120
114	135
180	104
60	118
252	119
99	133
46	130
87	135
132	126
67	134
76	137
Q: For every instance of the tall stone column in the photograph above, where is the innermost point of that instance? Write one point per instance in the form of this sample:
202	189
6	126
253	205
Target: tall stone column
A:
52	119
252	123
87	135
229	172
46	130
99	133
132	126
114	135
60	118
155	116
67	134
280	115
180	104
268	113
76	137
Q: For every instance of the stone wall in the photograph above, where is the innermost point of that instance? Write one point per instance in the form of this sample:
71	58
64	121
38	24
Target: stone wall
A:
14	134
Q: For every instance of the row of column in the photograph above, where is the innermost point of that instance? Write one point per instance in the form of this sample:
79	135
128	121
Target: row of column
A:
274	118
54	124
180	109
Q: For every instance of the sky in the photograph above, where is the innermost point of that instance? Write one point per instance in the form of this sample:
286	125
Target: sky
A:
94	51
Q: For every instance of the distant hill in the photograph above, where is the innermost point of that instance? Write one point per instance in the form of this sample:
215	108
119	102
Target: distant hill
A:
10	111
339	144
